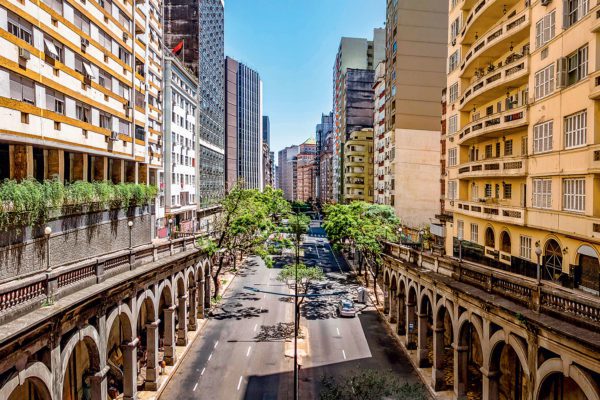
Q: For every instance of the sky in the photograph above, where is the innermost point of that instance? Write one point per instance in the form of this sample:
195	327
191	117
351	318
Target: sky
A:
292	45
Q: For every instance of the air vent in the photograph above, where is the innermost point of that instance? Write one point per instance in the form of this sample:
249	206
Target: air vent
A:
597	155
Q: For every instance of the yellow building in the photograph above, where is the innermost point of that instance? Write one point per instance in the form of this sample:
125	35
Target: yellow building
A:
523	151
358	166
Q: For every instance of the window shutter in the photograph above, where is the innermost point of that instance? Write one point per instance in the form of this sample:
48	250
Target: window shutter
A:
565	14
561	72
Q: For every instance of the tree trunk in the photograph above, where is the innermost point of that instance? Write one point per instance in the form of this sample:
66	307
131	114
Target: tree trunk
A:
217	285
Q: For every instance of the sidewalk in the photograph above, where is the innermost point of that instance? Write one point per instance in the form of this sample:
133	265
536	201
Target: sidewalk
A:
424	373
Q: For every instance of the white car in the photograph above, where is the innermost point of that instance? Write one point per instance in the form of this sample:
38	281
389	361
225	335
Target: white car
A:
346	308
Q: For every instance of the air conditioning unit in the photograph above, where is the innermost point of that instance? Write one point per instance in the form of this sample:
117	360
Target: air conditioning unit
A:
24	54
85	42
125	36
114	136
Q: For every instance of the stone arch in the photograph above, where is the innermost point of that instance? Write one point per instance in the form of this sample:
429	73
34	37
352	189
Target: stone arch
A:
587	268
148	298
190	270
500	337
490	237
505	241
469	355
170	295
506	361
89	337
412	297
425	314
37	373
557	366
426	293
443	338
179	284
120	329
124	312
386	277
553	258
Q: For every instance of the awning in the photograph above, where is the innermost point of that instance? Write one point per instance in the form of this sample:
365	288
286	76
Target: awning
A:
88	70
51	48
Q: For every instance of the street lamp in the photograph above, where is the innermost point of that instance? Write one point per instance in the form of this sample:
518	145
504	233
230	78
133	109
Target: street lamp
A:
47	232
130	225
170	228
538	253
400	232
421	234
460	239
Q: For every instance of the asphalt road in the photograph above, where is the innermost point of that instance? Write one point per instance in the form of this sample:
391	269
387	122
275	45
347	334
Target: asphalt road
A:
240	353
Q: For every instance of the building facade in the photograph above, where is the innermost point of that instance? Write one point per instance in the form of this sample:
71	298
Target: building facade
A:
358	166
180	144
358	54
324	137
305	182
200	26
522	150
286	163
383	158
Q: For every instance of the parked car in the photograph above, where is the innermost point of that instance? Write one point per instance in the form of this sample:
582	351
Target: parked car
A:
346	308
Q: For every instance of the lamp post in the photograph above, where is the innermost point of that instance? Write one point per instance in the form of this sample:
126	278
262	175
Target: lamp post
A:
421	233
460	239
538	253
400	232
47	232
130	225
170	228
298	237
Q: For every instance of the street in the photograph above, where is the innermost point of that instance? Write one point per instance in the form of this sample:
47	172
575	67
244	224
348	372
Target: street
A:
240	353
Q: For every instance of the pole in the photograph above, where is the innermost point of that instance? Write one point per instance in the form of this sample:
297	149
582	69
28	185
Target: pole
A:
460	250
296	308
538	270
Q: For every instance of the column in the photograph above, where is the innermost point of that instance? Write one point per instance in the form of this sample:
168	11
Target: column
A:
422	341
182	318
152	362
490	386
200	293
460	370
401	328
437	372
130	370
393	307
410	326
386	299
193	310
169	343
98	384
207	293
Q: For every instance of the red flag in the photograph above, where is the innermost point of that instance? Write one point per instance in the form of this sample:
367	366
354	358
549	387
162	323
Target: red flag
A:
177	48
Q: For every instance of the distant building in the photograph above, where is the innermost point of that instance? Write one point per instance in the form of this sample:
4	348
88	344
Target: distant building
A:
358	166
306	171
266	168
384	144
266	130
324	139
286	161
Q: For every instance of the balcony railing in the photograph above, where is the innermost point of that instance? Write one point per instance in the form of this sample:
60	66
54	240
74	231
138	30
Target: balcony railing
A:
490	210
504	167
490	8
595	85
494	125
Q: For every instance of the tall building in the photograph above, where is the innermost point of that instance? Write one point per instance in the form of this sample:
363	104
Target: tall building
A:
180	144
286	164
80	92
324	135
358	54
522	151
266	130
383	158
244	126
266	166
305	171
200	27
358	166
415	73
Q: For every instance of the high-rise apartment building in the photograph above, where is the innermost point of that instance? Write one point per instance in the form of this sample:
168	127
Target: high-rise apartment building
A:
266	130
358	54
200	27
324	135
358	166
80	91
286	164
383	158
522	149
415	73
244	126
180	144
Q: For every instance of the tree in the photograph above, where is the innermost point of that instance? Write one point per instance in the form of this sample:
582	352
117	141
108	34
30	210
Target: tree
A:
244	225
370	384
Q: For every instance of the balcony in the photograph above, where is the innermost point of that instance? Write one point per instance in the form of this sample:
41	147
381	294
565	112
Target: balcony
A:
501	167
595	85
494	125
493	84
595	27
483	15
490	210
492	44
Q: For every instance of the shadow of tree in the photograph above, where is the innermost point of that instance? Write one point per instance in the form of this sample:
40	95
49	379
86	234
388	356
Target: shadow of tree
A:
279	331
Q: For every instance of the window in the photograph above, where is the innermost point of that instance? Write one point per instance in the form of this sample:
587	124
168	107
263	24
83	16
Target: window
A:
124	21
488	190
545	29
574	194
454	28
453	93
453	61
525	250
107	5
394	48
105	120
104	79
474	192
452	124
123	127
82	22
577	65
544	82
56	5
474	233
55	101
123	55
575	129
542	137
22	89
508	148
488	151
82	112
452	157
20	28
393	90
105	40
53	49
460	228
451	190
542	193
507	191
574	11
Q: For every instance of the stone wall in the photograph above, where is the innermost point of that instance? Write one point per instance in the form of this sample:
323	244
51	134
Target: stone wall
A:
74	238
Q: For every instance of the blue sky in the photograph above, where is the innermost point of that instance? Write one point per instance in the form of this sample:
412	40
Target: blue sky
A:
292	44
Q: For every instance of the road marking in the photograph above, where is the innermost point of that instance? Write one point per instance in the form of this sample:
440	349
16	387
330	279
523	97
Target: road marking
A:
255	326
210	356
195	387
335	258
338	331
248	352
216	344
239	383
264	296
344	354
260	309
203	369
317	249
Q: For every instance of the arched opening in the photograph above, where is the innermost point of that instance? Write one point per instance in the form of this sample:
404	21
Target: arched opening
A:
553	258
587	272
490	238
147	346
411	319
507	380
469	355
505	244
393	315
443	353
120	333
401	328
192	309
181	315
386	292
32	389
83	364
207	288
425	333
166	327
556	386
